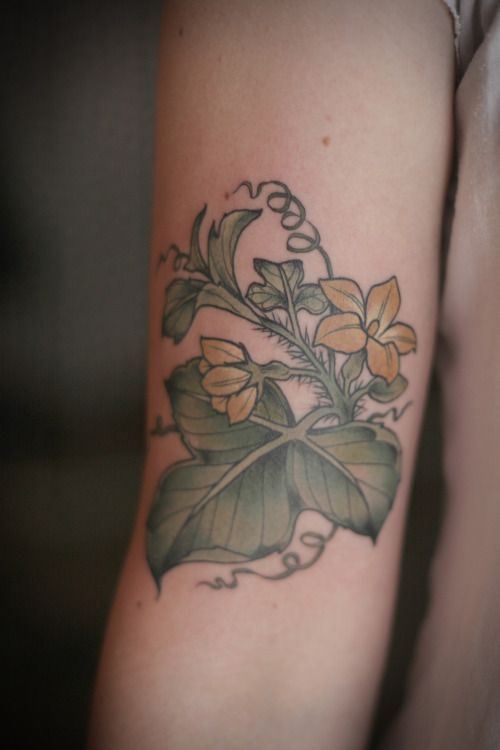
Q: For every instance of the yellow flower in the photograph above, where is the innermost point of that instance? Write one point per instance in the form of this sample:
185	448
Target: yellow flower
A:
367	324
225	380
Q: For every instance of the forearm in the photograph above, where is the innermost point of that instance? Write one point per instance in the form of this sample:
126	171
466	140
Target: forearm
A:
281	656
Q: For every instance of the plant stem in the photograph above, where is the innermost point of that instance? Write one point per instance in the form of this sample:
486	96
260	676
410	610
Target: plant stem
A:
329	382
300	372
360	392
319	372
295	338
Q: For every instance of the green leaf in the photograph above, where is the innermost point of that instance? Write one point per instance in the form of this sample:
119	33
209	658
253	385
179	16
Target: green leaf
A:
273	405
271	273
184	297
272	293
350	474
222	244
383	392
312	299
266	297
238	499
216	447
213	295
180	307
196	261
239	523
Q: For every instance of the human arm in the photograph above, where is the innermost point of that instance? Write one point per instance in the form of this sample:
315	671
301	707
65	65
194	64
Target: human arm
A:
350	106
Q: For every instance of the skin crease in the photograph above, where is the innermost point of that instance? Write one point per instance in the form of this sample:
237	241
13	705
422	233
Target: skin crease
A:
364	140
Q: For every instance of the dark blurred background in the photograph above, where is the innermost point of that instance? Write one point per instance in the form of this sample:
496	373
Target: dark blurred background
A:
77	152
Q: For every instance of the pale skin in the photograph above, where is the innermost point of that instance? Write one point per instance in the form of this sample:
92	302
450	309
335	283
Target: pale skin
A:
352	106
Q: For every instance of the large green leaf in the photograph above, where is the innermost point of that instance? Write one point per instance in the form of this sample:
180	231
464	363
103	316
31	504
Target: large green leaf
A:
350	474
216	447
247	519
222	243
239	497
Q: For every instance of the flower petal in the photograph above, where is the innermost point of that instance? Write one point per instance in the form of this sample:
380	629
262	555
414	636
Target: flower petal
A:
403	336
382	359
204	366
341	332
219	403
239	406
345	294
221	352
223	381
382	304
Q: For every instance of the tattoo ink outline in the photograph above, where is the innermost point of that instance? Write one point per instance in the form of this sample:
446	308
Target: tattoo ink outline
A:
234	418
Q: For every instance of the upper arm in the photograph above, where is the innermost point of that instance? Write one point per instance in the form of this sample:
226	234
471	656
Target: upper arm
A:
348	105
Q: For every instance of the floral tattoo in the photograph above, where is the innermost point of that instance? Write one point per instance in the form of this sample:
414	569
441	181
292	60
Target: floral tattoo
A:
254	466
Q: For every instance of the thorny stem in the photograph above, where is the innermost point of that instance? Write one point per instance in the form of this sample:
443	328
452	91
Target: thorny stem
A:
330	381
304	372
361	392
319	372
